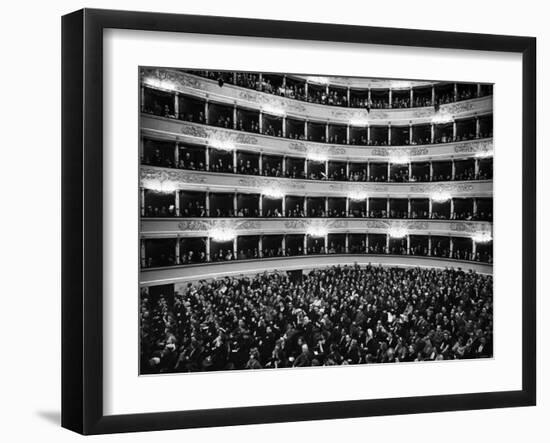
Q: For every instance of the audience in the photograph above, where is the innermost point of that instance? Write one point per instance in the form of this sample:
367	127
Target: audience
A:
337	134
296	89
341	315
439	248
160	211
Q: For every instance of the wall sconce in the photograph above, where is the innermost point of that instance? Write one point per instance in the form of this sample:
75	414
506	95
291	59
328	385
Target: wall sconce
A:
164	186
222	234
318	80
159	83
317	156
224	145
484	154
357	195
482	237
273	193
442	117
358	122
317	231
397	232
399	159
441	197
273	110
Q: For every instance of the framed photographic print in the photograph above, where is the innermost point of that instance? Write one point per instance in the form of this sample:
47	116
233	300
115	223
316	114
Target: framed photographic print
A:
270	221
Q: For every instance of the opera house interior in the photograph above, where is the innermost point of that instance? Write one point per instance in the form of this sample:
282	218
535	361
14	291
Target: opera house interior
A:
296	220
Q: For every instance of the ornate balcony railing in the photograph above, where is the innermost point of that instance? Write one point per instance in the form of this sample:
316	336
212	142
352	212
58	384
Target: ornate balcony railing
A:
201	227
153	177
176	130
184	83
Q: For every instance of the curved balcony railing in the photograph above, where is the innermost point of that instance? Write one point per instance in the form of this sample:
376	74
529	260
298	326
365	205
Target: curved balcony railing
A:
229	139
413	172
168	179
203	227
184	83
362	83
208	271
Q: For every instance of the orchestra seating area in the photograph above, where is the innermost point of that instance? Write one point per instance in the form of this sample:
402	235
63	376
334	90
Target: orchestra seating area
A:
329	317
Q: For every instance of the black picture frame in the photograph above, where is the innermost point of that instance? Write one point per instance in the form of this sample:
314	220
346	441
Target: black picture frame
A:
82	159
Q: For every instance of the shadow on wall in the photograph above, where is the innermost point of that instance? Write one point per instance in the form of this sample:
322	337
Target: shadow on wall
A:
53	417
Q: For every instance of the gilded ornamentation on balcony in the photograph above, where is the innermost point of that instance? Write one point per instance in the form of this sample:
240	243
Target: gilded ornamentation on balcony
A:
194	131
298	146
485	146
442	187
257	182
418	225
336	150
262	99
295	224
193	225
377	224
161	179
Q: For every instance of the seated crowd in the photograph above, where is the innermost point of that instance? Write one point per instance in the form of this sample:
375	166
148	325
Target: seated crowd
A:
197	254
269	129
333	96
274	168
198	209
253	125
343	315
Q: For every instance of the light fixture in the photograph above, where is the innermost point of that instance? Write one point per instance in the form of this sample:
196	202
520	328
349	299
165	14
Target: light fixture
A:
442	117
222	234
273	110
399	159
358	122
441	196
482	237
357	195
222	144
317	231
160	83
397	232
317	156
319	80
273	192
165	186
400	84
484	154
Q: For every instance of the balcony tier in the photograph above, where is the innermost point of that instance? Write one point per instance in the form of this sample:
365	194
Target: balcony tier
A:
153	177
363	82
188	84
175	130
200	227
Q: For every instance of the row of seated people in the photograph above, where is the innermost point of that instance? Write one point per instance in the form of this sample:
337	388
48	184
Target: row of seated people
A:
424	138
194	256
338	96
340	315
422	251
194	110
199	210
275	169
246	168
341	139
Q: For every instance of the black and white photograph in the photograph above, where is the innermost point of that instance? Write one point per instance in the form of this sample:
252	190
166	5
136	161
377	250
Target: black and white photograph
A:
244	221
295	220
